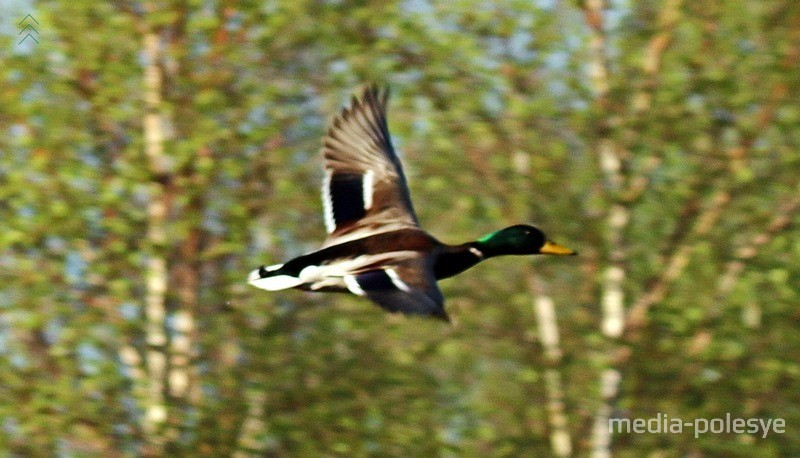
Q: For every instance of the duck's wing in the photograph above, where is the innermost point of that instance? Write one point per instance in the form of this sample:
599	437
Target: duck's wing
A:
408	286
364	191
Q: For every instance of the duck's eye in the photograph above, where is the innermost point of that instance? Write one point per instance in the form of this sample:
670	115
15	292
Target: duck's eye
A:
262	271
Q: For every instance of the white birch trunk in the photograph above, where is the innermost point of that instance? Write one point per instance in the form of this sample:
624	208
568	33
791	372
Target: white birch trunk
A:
560	440
156	274
612	293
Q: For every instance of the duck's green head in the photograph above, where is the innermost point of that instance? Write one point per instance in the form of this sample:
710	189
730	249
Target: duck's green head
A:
519	239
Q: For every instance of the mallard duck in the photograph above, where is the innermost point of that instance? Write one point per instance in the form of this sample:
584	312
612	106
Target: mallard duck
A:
375	246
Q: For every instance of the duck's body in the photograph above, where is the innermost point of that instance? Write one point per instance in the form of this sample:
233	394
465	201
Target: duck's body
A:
375	246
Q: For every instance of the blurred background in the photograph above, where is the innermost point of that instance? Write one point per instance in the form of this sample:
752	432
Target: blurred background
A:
154	152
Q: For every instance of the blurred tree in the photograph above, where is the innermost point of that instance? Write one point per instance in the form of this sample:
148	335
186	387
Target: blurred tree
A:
154	152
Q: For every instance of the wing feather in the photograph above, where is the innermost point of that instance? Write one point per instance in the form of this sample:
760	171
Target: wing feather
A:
358	144
407	287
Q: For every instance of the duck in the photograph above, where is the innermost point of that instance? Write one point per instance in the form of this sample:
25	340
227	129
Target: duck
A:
375	247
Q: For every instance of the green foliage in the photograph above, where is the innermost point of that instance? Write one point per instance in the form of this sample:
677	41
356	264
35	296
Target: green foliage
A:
497	123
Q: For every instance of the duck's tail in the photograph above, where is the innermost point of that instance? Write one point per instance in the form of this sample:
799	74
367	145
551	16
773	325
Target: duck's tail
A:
272	278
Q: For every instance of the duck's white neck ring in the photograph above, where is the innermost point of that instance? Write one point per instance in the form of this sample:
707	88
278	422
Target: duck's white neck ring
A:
476	252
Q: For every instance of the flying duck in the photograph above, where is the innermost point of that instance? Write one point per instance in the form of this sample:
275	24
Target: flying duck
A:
375	246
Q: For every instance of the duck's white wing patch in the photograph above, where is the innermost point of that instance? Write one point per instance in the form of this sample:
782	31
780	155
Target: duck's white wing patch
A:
327	203
407	287
396	280
352	285
367	188
346	198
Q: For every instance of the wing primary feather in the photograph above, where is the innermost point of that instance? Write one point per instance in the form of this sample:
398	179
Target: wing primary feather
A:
358	143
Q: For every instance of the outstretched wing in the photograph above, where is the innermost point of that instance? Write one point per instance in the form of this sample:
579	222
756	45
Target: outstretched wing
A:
408	287
364	191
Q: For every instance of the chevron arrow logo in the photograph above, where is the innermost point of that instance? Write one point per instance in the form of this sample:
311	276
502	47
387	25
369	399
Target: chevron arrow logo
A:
28	29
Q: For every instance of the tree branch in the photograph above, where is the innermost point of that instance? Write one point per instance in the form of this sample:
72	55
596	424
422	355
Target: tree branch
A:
703	221
735	267
674	266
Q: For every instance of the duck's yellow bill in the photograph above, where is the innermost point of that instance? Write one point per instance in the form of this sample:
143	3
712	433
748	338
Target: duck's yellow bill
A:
554	248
